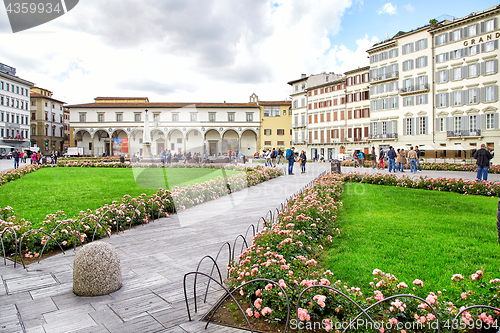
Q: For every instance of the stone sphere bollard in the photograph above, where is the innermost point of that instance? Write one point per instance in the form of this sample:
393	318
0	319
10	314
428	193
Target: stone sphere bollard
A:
96	270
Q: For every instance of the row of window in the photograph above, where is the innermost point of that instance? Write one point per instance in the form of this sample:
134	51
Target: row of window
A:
278	143
467	122
467	51
33	103
410	64
175	117
13	88
351	114
356	133
61	130
13	133
296	103
325	90
273	111
357	79
413	47
279	131
388	103
470	96
465	32
384	87
415	100
467	71
327	103
13	103
384	56
13	118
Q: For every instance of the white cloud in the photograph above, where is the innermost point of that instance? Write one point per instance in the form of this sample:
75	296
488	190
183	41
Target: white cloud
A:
174	51
388	8
409	7
341	59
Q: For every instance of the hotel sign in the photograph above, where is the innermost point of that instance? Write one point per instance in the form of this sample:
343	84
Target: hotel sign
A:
479	40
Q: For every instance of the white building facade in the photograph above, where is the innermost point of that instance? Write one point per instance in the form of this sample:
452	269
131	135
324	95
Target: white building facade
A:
115	126
14	108
299	111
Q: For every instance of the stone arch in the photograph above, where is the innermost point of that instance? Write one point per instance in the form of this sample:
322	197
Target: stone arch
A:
158	141
176	140
195	142
119	147
248	142
101	143
83	139
213	139
230	141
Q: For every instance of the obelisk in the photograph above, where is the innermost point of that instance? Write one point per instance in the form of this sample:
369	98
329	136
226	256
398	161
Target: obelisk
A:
146	141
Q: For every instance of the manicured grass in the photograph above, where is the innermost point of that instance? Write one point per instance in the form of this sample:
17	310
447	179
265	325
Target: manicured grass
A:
413	234
74	189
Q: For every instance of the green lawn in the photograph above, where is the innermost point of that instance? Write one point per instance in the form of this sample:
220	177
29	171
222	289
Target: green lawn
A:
413	234
73	189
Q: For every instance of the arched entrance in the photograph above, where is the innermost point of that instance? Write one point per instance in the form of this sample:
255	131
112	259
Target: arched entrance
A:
230	142
83	139
158	142
176	141
213	139
119	143
101	143
194	141
248	143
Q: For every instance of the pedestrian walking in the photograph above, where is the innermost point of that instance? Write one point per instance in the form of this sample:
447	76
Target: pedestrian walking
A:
302	160
483	157
361	159
381	156
290	156
267	154
356	158
374	158
16	156
391	154
274	154
418	159
412	157
33	158
401	160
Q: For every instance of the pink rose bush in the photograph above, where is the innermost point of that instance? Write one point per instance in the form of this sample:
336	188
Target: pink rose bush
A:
287	252
120	214
439	166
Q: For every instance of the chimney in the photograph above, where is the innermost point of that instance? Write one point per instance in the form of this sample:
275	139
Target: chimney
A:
303	76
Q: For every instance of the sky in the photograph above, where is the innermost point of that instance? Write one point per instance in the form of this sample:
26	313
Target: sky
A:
206	50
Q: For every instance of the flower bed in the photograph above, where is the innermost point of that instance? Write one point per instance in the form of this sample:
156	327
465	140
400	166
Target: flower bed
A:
287	252
436	166
120	214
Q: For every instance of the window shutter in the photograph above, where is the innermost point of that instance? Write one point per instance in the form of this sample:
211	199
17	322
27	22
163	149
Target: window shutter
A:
482	95
483	47
379	127
495	93
449	123
482	27
413	121
437	124
482	121
404	126
495	120
483	68
465	32
465	51
452	99
426	128
464	123
447	99
495	44
451	36
465	95
465	72
495	23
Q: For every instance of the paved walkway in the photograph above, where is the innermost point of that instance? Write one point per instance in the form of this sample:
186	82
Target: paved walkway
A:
154	259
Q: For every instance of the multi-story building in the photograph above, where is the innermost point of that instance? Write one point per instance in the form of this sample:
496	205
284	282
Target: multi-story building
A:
66	128
115	125
47	121
276	124
357	112
299	111
14	109
400	93
325	105
466	81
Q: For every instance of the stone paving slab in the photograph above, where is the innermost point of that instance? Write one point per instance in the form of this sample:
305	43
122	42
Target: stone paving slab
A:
154	259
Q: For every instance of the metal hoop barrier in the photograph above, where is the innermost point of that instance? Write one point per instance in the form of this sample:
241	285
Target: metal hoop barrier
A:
135	212
196	277
455	320
52	232
221	285
212	271
100	225
28	232
15	246
253	231
230	293
234	244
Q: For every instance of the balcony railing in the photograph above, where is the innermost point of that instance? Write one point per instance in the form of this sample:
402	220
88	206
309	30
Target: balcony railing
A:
386	76
14	140
296	125
464	133
384	136
412	89
299	142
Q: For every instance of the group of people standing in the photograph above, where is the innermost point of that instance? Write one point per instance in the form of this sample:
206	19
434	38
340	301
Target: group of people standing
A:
397	159
272	157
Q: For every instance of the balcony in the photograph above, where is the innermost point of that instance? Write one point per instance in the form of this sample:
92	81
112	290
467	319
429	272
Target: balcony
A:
298	125
414	89
462	134
387	136
14	140
299	142
385	77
